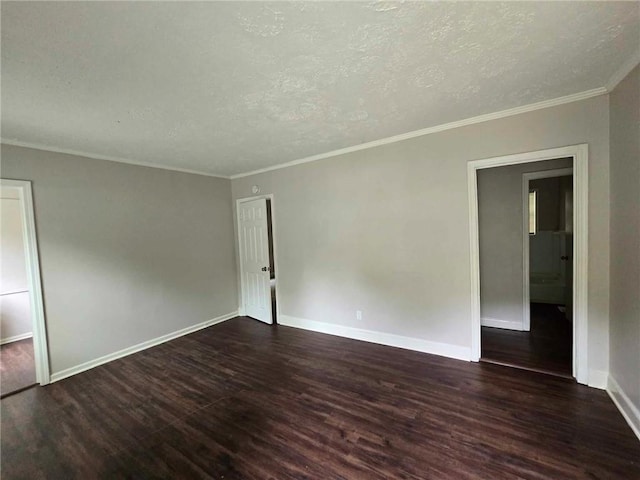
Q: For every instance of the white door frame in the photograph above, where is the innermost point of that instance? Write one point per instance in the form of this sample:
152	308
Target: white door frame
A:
241	308
40	348
526	264
580	155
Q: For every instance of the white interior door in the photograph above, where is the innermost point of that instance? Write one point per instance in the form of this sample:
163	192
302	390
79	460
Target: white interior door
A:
254	259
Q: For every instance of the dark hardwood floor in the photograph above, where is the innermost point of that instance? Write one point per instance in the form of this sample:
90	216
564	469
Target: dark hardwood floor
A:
246	400
17	366
546	348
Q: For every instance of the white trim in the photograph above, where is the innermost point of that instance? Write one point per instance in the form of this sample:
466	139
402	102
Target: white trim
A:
391	340
623	71
526	288
270	197
13	292
628	410
598	379
40	347
435	129
580	263
108	158
16	338
526	280
579	153
474	259
83	367
498	323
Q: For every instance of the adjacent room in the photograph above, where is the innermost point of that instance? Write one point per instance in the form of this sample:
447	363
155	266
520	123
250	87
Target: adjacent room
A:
252	240
526	220
17	362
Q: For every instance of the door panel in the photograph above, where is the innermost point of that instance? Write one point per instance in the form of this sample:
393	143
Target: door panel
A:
254	258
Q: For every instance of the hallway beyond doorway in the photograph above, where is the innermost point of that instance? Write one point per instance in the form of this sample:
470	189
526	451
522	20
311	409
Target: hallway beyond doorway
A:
546	348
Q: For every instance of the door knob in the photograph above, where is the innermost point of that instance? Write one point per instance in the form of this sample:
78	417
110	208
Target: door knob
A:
265	269
564	257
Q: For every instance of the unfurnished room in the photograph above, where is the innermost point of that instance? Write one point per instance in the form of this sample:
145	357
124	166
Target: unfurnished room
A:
320	240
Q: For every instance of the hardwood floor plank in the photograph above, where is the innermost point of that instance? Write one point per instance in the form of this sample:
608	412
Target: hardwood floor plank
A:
244	400
545	348
17	366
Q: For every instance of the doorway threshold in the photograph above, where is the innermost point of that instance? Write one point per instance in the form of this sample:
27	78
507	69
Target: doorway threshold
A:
529	369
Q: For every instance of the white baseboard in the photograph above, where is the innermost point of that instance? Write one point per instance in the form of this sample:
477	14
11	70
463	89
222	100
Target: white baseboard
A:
628	410
497	323
598	379
15	338
409	343
140	346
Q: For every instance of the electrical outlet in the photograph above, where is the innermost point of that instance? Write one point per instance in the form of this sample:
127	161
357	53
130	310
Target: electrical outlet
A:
358	314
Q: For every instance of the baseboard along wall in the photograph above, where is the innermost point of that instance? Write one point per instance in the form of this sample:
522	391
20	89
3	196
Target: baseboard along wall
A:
597	379
391	340
83	367
15	338
628	410
497	323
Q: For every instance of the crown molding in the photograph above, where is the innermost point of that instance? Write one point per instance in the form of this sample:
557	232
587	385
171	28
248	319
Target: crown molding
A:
627	67
437	128
623	71
48	148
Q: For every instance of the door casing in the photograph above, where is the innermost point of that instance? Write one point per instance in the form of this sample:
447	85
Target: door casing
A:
40	345
580	155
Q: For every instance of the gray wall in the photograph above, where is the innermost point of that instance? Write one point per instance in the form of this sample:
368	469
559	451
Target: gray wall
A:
15	311
127	253
625	236
386	230
501	248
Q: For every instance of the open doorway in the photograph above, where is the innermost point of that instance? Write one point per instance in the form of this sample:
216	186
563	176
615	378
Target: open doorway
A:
503	304
256	250
538	336
23	349
272	266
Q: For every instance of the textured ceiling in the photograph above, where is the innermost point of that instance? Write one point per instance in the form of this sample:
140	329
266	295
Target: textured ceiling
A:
229	87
